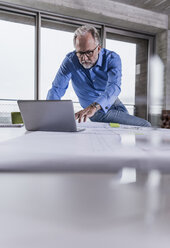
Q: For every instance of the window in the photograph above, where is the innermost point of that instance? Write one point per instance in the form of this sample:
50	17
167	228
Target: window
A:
17	49
54	47
26	75
127	53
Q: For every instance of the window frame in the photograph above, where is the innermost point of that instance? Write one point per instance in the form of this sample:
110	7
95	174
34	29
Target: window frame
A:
41	15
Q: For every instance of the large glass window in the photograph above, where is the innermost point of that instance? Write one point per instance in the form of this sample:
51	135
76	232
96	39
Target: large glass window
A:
17	54
127	53
55	44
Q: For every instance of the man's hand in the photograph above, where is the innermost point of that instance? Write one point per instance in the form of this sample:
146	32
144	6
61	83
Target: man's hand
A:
86	113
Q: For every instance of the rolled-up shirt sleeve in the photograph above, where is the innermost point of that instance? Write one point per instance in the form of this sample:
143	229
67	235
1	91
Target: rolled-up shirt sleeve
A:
112	90
61	81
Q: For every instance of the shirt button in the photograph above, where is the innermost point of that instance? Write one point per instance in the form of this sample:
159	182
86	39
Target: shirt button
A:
106	107
93	80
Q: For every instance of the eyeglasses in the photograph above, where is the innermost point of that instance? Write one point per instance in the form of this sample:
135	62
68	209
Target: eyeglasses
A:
87	53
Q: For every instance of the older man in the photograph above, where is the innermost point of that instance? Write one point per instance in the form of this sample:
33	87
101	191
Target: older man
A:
96	78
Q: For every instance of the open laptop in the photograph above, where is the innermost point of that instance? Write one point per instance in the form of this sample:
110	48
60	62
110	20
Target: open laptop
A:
43	115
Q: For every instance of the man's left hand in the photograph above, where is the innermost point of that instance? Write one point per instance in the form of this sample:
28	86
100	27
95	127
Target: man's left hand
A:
85	113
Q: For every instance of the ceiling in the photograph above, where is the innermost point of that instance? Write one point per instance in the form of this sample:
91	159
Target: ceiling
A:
161	6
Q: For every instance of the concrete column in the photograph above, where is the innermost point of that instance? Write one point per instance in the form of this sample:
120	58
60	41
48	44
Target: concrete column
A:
167	95
163	50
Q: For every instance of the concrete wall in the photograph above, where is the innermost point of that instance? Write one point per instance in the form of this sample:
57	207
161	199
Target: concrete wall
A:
106	11
167	92
163	50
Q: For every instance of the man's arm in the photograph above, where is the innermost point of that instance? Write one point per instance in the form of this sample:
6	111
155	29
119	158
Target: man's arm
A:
112	90
60	83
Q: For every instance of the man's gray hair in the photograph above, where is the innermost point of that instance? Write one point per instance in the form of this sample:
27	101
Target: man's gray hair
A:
87	29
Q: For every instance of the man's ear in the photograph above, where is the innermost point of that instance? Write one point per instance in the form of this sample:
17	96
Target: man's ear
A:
99	48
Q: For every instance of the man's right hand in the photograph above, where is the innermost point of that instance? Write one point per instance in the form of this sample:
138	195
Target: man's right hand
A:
85	113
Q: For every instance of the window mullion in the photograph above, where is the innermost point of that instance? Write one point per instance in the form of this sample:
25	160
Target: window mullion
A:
37	55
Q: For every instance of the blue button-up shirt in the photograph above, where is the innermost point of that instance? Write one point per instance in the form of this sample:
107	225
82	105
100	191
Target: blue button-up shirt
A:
100	84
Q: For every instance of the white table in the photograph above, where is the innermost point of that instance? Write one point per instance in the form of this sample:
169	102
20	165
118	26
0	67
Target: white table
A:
40	210
98	149
60	190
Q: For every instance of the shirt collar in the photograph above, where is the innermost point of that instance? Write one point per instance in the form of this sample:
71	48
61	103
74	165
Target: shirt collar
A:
99	61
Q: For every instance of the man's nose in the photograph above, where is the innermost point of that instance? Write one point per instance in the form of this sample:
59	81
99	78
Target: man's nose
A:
84	56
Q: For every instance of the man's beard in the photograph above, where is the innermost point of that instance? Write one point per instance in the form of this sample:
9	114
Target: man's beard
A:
87	64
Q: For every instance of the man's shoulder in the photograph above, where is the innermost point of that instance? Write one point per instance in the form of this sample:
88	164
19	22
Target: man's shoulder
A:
109	54
71	55
70	61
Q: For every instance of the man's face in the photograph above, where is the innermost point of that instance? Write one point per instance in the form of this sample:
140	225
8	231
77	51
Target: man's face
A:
87	50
